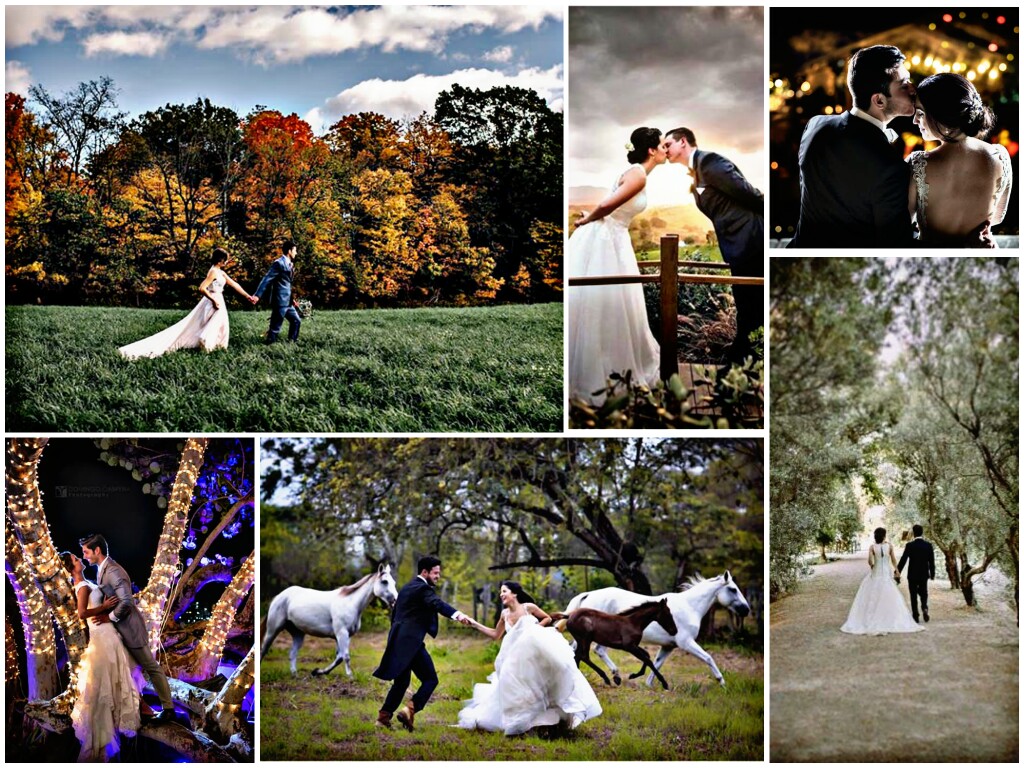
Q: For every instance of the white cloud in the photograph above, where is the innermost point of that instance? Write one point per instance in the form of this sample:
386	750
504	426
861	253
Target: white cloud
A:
500	55
400	98
126	44
17	77
277	34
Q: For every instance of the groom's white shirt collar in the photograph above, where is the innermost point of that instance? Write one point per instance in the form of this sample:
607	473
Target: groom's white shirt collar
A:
890	134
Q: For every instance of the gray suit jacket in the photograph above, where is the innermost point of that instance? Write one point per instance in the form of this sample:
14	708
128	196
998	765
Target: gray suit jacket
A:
126	616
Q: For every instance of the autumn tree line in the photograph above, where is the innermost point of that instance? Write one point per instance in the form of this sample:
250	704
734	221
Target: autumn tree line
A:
462	207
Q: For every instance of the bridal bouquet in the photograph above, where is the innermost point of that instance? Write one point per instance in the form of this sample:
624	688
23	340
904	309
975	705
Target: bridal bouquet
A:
305	308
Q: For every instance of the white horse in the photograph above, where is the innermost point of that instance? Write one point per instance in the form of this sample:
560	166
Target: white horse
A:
688	608
326	613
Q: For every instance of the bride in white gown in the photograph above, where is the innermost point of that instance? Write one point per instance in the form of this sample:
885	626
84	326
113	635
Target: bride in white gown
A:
608	328
878	608
107	701
535	680
205	327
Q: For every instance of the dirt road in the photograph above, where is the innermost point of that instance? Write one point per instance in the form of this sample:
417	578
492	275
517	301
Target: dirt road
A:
947	694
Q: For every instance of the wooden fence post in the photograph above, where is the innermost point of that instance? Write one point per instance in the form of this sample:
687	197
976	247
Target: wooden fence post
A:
669	305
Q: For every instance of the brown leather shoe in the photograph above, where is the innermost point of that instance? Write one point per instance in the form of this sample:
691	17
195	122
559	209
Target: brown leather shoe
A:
406	715
383	720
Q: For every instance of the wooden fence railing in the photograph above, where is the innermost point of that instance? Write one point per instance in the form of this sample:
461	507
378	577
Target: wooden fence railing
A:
668	278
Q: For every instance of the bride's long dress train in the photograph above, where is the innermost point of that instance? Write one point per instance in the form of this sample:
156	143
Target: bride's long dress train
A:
107	706
535	682
607	325
878	608
205	327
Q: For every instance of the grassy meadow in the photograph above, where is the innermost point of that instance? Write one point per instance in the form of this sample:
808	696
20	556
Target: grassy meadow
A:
332	717
488	369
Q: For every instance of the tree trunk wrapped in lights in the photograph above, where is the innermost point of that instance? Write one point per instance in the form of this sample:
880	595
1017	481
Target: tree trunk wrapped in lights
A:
36	624
178	597
25	510
223	716
153	599
201	663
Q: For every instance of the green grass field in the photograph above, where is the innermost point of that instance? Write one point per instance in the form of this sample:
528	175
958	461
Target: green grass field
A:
489	369
332	718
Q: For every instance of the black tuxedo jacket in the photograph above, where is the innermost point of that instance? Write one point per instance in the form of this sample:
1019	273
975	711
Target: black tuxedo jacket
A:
414	617
853	187
735	207
922	560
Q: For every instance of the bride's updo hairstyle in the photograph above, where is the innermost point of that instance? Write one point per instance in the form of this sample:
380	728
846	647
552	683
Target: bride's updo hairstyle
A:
68	561
643	141
517	589
952	106
879	535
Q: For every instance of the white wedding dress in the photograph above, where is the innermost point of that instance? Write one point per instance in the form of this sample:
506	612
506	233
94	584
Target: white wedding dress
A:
608	328
205	327
107	705
535	682
878	608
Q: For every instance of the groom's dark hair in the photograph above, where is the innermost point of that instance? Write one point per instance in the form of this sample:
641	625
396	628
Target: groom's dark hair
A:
94	541
287	245
683	133
918	530
871	71
427	563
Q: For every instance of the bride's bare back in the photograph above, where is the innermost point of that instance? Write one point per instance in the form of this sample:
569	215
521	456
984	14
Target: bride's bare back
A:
957	188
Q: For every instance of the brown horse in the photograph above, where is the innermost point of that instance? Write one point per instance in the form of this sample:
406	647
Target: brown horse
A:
622	630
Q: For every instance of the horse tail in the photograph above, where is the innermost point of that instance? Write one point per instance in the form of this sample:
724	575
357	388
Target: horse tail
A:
561	621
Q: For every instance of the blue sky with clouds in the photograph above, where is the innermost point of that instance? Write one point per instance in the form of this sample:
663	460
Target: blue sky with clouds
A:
317	61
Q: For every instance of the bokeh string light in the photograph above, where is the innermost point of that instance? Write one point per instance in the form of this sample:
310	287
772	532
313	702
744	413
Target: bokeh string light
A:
153	599
211	646
41	563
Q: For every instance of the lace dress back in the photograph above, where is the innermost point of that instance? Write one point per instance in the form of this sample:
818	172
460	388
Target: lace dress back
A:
973	234
107	703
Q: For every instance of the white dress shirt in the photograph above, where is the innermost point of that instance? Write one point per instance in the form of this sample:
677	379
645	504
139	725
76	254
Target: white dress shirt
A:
890	134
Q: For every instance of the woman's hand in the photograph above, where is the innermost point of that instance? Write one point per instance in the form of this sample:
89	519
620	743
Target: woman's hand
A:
110	603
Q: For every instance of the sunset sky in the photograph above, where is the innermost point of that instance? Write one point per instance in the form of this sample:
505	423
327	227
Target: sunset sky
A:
319	62
664	67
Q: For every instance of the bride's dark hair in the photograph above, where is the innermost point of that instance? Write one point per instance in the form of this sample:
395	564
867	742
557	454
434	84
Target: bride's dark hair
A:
643	141
517	589
951	102
879	535
67	559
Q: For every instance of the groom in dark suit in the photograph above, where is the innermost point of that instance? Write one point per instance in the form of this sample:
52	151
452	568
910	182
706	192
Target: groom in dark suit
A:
922	567
414	617
279	280
736	209
853	183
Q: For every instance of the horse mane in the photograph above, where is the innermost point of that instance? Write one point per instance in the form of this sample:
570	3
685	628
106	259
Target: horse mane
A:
355	587
638	608
694	581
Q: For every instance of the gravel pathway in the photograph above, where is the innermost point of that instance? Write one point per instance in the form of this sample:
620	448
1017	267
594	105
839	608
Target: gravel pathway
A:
947	694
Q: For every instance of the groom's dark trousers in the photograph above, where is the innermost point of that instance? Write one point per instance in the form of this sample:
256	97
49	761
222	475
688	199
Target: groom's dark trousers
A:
414	617
921	556
854	187
736	209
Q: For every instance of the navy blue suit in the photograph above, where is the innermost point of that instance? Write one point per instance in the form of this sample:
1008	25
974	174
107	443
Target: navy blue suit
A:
279	280
414	617
921	556
736	209
854	187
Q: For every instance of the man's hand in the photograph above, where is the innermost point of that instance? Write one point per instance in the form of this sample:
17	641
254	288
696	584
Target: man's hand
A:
466	620
254	299
102	618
